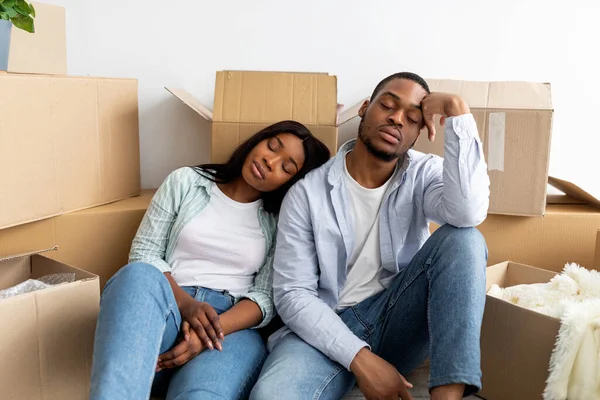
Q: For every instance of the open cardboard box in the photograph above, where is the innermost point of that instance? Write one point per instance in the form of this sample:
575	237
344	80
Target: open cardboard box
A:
66	144
514	120
47	335
517	343
247	101
41	52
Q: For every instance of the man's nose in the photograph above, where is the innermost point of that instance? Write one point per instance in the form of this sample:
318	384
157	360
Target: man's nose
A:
396	118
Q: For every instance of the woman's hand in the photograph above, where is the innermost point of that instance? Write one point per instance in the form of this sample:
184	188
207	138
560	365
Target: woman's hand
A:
189	347
204	320
201	316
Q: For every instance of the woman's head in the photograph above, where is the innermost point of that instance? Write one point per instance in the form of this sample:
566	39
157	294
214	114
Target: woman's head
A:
272	160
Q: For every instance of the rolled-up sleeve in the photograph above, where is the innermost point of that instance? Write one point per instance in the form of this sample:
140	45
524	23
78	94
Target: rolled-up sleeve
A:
150	242
262	291
458	186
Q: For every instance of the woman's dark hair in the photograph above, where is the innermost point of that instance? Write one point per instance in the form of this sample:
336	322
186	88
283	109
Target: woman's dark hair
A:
315	155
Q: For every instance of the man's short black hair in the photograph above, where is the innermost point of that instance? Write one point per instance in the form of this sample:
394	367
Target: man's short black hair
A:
400	75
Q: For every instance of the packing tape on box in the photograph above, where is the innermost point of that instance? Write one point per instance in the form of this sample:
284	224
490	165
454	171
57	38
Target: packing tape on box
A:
497	132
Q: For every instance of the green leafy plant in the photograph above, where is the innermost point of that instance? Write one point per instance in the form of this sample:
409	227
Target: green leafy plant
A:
19	12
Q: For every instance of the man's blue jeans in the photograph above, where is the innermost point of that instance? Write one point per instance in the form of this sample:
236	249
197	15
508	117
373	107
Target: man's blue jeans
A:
139	319
433	308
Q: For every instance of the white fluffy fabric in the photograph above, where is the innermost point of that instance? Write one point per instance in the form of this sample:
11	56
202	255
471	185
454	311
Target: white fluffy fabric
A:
573	296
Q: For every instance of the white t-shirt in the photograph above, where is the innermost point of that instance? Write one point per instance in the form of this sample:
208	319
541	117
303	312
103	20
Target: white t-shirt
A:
222	248
364	264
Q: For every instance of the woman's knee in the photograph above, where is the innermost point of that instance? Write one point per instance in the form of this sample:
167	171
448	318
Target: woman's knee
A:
137	274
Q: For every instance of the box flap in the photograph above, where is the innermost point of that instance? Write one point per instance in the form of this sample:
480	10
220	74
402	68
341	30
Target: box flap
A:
267	97
27	254
573	188
191	102
497	95
346	114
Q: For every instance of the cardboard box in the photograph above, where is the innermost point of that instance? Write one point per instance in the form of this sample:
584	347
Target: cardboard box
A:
66	144
47	335
42	52
597	253
565	234
516	343
515	123
247	101
97	240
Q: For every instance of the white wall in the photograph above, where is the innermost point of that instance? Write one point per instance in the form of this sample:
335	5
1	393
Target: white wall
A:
183	42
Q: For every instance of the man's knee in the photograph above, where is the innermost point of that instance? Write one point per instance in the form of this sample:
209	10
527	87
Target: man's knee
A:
465	241
266	390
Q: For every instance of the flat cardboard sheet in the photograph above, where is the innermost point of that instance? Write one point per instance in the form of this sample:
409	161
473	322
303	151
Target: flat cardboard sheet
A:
47	336
66	144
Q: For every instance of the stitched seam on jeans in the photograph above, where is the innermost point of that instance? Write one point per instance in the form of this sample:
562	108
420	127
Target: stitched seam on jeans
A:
327	381
429	319
243	392
392	303
369	331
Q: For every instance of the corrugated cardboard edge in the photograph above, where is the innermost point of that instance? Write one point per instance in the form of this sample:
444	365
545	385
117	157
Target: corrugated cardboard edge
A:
67	212
573	190
27	254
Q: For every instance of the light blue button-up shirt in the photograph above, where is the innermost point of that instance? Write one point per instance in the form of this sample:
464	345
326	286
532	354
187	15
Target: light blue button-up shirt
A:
315	239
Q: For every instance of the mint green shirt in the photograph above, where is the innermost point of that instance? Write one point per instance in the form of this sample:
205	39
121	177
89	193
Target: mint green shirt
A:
180	198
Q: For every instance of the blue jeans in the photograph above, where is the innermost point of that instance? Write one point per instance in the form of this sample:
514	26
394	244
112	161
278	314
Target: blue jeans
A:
433	308
139	319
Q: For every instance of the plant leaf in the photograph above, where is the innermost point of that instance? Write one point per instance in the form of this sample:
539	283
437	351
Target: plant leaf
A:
21	11
32	10
23	22
23	5
4	15
9	3
11	12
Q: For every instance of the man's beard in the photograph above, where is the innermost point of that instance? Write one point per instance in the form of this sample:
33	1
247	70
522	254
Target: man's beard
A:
377	153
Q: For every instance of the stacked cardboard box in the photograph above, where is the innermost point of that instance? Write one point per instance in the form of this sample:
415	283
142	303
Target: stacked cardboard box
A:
66	144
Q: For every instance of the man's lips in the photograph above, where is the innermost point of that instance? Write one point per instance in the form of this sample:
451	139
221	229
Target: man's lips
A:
390	135
258	170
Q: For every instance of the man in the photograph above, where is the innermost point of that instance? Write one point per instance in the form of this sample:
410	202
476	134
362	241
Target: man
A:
365	292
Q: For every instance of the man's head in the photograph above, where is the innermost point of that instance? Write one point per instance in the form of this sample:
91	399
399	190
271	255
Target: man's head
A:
392	119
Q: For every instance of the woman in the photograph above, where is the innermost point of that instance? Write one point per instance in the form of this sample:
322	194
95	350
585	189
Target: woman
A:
180	318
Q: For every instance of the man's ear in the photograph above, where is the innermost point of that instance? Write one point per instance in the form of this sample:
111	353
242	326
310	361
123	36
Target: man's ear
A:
363	109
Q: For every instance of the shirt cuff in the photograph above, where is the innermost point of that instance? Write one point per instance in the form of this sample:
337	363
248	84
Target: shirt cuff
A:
461	127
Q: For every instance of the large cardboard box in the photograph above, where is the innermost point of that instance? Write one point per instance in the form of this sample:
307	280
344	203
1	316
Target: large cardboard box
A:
48	335
515	123
516	343
97	240
247	101
597	256
567	233
66	144
42	52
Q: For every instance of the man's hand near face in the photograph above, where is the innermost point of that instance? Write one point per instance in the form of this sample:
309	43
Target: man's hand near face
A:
443	104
